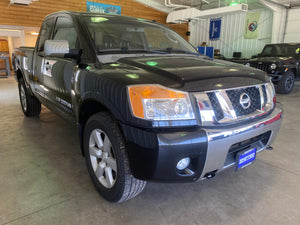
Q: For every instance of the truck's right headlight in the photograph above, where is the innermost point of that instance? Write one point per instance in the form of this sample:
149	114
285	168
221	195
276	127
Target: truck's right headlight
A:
155	102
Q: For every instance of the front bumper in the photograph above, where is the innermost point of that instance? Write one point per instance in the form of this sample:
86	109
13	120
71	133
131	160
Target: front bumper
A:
276	76
224	144
154	155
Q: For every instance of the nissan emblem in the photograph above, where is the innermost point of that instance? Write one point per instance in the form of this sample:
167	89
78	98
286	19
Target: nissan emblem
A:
245	100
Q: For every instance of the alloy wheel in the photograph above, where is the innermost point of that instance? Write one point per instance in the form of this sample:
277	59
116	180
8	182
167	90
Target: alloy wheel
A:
102	158
23	98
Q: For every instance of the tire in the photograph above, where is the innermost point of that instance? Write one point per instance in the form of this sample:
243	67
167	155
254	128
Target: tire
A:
107	160
285	85
31	106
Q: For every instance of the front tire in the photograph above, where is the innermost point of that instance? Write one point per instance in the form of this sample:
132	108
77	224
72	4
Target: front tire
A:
31	106
107	160
286	84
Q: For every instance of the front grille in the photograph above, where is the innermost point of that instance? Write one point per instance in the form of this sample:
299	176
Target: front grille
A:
252	92
227	106
261	66
264	95
216	105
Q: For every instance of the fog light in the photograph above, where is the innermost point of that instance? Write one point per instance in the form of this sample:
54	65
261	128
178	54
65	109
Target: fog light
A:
183	163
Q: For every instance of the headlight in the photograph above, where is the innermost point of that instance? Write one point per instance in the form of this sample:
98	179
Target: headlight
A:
273	66
247	64
155	102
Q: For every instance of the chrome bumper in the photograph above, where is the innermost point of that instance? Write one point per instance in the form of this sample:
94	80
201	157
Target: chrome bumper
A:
220	140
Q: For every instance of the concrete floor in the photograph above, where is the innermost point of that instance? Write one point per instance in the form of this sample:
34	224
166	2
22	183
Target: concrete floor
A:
44	180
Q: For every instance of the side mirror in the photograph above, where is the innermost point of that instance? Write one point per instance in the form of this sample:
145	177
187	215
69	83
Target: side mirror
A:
259	55
56	47
60	48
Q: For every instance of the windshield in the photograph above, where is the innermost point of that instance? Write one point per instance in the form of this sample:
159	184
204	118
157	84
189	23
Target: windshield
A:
115	35
279	50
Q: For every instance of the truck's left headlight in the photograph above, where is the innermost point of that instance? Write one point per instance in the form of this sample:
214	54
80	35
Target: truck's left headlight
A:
273	66
155	102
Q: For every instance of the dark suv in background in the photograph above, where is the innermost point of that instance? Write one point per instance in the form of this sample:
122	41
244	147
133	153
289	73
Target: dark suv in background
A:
281	63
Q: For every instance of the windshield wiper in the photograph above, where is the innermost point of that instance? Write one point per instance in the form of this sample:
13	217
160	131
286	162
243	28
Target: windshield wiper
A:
130	50
171	50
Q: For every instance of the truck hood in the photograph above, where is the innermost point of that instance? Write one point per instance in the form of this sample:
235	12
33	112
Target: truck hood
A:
191	73
270	60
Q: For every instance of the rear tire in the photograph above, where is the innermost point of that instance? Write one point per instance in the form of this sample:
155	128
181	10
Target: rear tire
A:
107	160
31	106
286	84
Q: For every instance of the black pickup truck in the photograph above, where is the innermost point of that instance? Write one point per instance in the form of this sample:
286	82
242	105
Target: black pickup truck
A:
147	105
281	62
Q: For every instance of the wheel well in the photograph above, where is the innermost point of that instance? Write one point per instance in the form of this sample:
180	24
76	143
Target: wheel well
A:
294	71
88	109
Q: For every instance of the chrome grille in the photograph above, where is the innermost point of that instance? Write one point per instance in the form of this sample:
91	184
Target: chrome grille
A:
227	106
252	92
264	95
216	106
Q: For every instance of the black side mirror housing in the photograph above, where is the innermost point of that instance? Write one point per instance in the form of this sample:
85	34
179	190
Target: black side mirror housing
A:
74	54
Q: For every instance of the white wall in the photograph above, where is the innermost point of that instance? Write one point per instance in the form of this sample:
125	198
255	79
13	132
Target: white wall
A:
292	32
30	39
232	34
18	36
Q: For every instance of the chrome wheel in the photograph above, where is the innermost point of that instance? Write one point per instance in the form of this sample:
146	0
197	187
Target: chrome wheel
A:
102	158
23	98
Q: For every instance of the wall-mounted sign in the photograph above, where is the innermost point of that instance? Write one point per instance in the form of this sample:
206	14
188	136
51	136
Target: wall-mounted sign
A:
251	25
215	29
103	8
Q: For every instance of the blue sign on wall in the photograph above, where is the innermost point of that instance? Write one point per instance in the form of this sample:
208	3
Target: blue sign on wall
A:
215	29
103	8
208	51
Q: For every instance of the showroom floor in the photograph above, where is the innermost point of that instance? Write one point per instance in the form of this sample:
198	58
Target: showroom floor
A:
44	180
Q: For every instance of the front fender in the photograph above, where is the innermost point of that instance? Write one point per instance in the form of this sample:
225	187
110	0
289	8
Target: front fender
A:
88	86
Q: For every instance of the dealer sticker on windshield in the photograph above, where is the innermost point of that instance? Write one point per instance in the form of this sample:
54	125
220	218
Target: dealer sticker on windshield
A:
245	158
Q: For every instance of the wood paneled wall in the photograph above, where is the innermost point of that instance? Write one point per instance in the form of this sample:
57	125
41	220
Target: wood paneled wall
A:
34	14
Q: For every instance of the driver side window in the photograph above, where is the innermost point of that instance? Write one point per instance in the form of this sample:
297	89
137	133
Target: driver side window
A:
65	30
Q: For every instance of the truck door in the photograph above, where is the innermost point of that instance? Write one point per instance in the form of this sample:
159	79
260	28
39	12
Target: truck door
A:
38	56
58	70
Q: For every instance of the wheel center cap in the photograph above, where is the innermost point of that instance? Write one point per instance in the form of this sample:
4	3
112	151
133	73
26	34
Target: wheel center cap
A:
105	155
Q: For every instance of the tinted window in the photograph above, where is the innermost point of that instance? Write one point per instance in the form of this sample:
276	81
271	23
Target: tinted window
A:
115	33
279	50
45	33
65	30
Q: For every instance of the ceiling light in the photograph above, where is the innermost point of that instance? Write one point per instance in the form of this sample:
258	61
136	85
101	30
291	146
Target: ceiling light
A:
233	3
194	14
